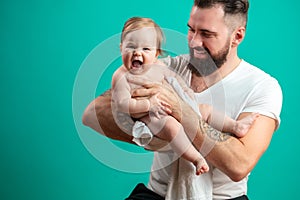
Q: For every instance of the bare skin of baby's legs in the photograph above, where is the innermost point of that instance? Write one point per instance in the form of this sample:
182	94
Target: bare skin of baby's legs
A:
169	129
226	124
242	126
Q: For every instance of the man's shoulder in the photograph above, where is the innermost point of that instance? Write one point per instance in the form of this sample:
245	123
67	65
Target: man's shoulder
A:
257	79
254	71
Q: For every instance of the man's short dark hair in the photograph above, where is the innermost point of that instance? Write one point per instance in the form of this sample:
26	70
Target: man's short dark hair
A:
232	8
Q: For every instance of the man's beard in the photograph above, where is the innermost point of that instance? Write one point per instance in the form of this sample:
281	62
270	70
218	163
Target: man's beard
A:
208	65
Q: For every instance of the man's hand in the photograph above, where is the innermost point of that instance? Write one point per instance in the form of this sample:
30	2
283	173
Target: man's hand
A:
157	106
171	103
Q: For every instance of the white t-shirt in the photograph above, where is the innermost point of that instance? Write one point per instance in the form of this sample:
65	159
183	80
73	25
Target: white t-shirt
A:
246	89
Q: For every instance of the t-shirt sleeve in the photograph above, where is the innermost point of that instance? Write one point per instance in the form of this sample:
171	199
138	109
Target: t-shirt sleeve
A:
266	99
166	60
177	63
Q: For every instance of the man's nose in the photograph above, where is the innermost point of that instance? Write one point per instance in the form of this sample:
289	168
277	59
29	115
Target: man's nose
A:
196	41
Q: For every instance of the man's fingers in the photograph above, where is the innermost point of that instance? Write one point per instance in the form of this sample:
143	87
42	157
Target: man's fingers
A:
144	92
148	89
143	82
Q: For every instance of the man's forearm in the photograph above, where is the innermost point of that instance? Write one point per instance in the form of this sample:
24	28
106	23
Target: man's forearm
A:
235	157
98	116
220	149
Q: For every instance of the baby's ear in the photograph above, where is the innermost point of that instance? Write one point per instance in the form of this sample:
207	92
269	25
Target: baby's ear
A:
158	52
120	46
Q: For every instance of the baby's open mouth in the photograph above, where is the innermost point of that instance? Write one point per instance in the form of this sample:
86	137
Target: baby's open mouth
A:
137	63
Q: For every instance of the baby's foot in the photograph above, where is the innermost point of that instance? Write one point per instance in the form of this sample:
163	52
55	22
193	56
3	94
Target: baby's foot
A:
242	126
201	166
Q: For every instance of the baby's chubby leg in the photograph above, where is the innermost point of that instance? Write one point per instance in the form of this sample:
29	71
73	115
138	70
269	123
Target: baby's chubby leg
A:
224	123
201	165
173	132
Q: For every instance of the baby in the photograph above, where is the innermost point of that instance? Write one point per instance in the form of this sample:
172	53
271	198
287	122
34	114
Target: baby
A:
140	47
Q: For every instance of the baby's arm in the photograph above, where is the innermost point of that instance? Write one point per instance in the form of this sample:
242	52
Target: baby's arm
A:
121	95
135	106
239	128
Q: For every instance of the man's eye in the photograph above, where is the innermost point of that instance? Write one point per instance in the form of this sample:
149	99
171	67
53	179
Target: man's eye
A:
207	35
191	30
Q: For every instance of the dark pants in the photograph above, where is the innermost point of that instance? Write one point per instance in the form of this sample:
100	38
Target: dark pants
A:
141	192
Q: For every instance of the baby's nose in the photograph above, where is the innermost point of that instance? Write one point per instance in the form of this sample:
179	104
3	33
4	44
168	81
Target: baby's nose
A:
137	52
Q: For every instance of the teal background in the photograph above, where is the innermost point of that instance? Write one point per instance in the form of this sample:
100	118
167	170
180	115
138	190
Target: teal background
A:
44	43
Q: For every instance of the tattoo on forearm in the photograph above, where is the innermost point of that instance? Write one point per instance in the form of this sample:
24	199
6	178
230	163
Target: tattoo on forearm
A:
124	122
106	93
212	133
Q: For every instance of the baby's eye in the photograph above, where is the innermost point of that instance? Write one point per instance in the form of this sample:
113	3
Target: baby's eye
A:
129	48
146	49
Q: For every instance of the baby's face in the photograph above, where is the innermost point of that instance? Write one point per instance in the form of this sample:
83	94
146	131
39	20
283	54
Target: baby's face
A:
139	50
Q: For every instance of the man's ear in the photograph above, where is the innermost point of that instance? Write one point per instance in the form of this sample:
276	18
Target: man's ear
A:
238	36
120	47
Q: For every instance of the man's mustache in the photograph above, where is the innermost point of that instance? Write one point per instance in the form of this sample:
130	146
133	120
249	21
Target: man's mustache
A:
198	48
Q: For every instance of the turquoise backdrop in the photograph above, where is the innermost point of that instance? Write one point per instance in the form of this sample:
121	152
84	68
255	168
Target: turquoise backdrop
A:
46	153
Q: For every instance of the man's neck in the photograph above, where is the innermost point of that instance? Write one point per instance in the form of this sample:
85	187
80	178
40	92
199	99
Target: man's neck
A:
199	83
